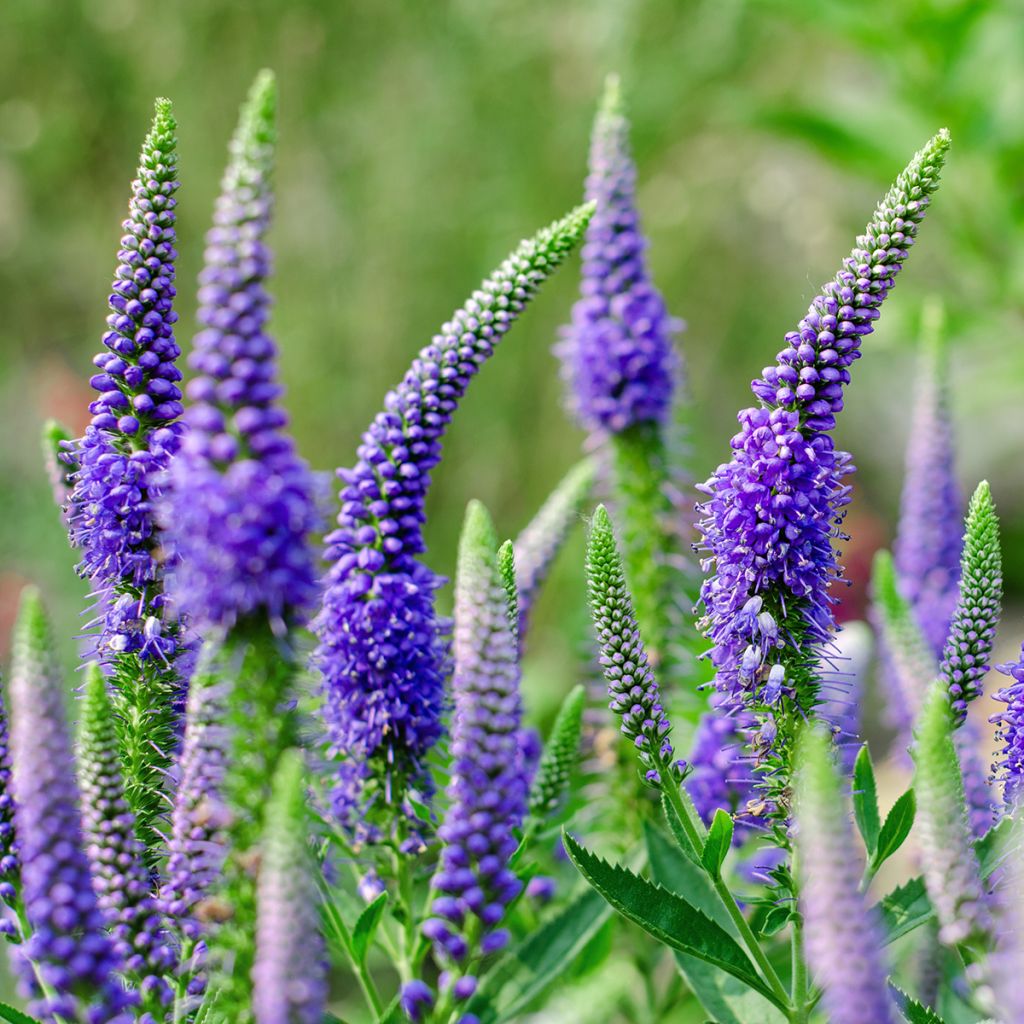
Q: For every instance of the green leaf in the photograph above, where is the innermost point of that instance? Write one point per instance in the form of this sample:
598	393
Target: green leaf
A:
675	870
677	828
992	845
393	1012
329	1018
723	996
898	823
366	927
13	1016
527	969
865	800
905	908
775	920
718	843
665	916
913	1011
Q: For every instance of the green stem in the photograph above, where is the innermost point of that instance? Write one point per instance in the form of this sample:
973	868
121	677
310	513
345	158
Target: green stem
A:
725	895
366	982
801	1007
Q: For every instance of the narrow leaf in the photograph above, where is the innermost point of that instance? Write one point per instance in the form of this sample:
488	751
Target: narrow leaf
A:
665	916
13	1016
676	871
865	800
913	1011
898	823
904	909
991	846
726	998
366	927
718	843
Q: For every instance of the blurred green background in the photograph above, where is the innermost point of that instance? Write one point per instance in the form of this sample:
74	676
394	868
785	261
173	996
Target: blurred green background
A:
421	140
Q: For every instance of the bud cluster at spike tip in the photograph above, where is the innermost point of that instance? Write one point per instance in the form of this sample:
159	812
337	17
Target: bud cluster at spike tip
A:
69	948
289	975
632	688
973	627
844	941
617	352
774	509
120	877
382	649
120	462
487	794
928	542
951	872
240	502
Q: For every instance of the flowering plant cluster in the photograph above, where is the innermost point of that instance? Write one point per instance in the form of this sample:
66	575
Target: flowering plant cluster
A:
289	784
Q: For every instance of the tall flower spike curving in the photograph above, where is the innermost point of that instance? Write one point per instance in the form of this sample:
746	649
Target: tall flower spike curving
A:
773	510
289	976
928	543
240	504
120	877
118	475
618	359
973	627
633	691
382	649
951	873
844	941
69	967
488	791
1009	768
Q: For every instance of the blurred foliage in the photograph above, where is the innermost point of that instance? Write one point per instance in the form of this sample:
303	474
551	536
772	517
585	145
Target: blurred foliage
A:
420	141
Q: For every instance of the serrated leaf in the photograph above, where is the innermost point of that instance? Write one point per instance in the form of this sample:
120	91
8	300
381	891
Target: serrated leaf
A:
527	969
717	844
913	1011
865	800
898	823
665	916
905	908
366	926
676	871
13	1016
725	997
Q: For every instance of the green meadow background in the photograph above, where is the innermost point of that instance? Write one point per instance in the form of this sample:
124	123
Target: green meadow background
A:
421	139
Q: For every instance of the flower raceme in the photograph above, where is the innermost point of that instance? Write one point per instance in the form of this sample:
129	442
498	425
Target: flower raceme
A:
773	510
487	795
382	649
240	503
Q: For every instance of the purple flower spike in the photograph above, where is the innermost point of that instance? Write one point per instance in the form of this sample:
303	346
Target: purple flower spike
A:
632	688
69	966
843	939
720	777
927	548
488	789
10	878
617	354
120	877
382	651
1009	769
774	509
240	501
289	976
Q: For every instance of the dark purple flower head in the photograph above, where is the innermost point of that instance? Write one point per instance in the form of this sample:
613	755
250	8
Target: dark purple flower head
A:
135	429
617	352
979	603
382	651
289	975
633	691
240	501
69	966
843	939
10	879
928	543
773	510
487	795
120	877
1009	769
